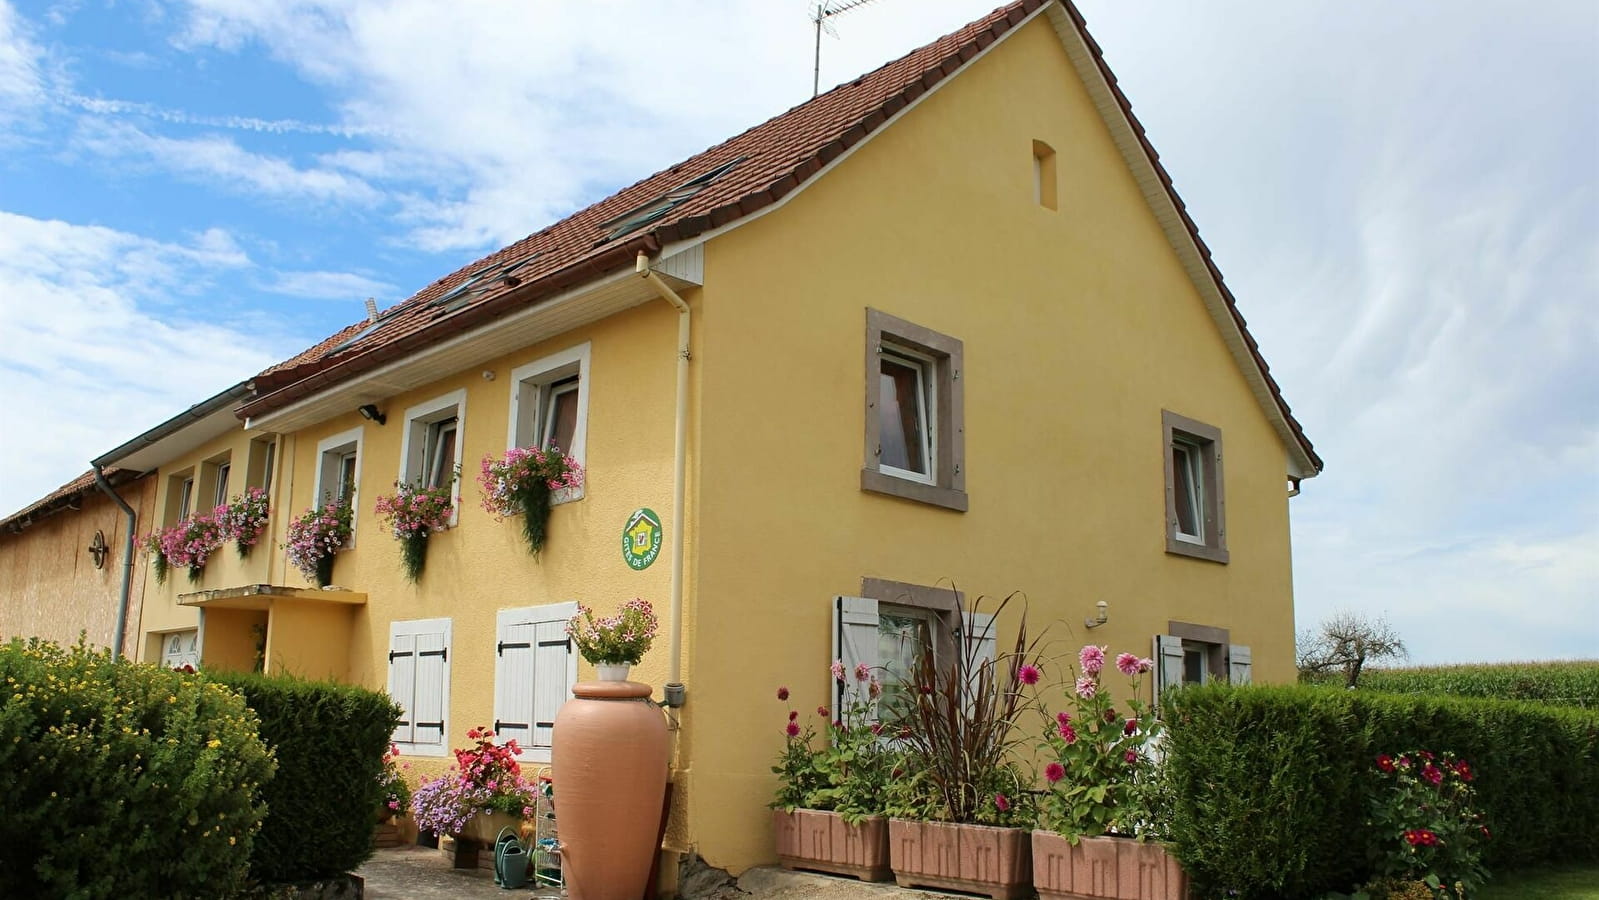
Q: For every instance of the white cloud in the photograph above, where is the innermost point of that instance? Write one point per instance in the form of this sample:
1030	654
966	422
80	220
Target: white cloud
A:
330	286
218	160
95	350
21	82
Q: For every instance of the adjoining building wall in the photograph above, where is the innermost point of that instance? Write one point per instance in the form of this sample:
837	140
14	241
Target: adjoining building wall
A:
1079	327
49	585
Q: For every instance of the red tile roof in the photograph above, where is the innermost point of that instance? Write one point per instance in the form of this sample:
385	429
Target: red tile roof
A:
764	164
62	497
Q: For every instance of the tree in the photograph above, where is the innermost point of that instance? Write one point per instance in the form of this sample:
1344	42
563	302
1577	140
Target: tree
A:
1347	641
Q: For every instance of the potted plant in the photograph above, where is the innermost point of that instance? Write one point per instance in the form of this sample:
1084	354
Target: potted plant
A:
828	812
521	483
315	536
190	543
477	796
1426	834
396	792
412	515
1099	809
244	518
151	544
961	809
613	643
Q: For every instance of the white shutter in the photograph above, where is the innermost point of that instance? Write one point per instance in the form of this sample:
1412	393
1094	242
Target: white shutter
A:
854	638
432	677
1168	665
402	682
513	682
554	670
979	640
1238	664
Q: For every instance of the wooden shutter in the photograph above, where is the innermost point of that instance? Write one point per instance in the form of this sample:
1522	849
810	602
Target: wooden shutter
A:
513	682
983	633
854	637
553	669
1238	664
432	674
1168	665
402	683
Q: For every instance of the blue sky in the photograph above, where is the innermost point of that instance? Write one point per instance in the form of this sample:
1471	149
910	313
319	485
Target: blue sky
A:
1403	197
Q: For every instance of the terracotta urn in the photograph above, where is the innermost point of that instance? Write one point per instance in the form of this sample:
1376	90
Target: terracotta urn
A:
609	756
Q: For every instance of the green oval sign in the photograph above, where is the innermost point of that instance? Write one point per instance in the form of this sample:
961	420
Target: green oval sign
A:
641	538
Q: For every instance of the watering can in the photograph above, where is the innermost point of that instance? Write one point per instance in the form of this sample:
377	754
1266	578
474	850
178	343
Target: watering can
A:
510	860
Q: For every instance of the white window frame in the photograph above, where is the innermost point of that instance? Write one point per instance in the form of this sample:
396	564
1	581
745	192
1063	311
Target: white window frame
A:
428	626
927	408
220	478
330	451
1195	470
415	443
186	498
530	406
550	612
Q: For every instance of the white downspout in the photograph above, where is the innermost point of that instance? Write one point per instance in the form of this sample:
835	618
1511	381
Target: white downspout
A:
674	682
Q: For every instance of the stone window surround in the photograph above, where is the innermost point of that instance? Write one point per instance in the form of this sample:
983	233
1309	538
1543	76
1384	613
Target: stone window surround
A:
941	601
949	475
1214	504
1216	641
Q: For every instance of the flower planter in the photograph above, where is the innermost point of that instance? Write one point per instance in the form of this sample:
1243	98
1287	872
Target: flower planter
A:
1114	867
484	826
821	841
979	859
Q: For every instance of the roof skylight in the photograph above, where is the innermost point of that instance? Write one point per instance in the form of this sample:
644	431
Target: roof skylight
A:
657	209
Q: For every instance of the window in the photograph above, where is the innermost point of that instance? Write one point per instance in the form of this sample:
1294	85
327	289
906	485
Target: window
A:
1044	175
894	625
186	499
1198	654
430	454
222	473
180	648
1195	505
549	407
260	463
534	670
915	413
338	472
419	681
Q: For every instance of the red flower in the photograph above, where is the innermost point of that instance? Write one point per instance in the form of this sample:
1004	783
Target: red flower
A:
1485	835
793	714
1001	803
1054	772
1463	769
1028	674
1131	756
1432	774
782	693
821	711
792	729
1385	762
1132	726
1063	718
1110	714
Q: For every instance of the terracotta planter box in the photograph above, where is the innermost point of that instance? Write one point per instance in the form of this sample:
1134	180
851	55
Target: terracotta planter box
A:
821	842
1099	867
979	859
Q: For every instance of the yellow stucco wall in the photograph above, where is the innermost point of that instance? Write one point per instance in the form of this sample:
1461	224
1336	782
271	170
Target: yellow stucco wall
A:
230	641
49	586
1079	327
310	639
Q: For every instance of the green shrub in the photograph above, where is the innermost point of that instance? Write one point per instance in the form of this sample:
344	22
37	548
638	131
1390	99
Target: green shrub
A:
1565	683
123	779
329	740
1271	784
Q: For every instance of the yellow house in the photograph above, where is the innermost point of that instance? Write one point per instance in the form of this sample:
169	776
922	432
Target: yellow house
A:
944	327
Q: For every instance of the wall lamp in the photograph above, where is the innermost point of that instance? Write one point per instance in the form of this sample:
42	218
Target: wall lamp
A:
370	413
1102	618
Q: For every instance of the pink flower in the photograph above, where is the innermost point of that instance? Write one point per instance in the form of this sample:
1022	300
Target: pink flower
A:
1127	663
1063	718
1131	756
838	670
1028	674
1091	658
1054	772
792	729
862	672
1145	664
821	711
874	688
793	715
782	693
1001	803
1432	774
1067	733
1087	687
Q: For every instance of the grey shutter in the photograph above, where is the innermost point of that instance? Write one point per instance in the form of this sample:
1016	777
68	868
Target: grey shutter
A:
432	670
513	683
402	683
553	666
979	637
854	638
1238	664
1168	665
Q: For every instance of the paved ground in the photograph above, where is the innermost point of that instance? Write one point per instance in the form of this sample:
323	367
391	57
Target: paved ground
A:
404	873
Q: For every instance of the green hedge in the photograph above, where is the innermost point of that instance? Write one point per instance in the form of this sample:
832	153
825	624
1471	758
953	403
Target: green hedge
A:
329	740
1269	782
1565	683
122	780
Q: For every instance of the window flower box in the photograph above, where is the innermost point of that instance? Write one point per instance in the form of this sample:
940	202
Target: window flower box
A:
1112	867
980	859
821	841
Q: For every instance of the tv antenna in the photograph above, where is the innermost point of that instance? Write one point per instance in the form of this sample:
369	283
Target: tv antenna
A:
820	16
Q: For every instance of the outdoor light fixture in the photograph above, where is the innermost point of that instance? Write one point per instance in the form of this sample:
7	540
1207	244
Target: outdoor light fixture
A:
1100	619
371	413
